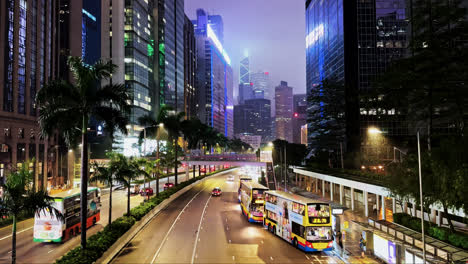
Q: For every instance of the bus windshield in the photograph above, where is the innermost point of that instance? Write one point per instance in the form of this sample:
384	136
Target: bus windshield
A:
257	194
318	233
318	213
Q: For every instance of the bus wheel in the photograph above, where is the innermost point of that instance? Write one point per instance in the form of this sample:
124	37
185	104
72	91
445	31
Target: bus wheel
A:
295	243
94	221
269	227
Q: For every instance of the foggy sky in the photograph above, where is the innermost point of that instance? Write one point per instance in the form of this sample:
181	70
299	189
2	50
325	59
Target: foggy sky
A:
273	32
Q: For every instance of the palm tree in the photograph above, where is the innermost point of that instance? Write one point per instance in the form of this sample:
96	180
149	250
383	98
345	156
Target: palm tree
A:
126	171
171	121
105	174
70	107
19	196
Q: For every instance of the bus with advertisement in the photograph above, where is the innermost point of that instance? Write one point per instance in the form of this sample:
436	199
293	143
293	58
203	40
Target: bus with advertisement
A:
47	228
252	201
303	222
242	179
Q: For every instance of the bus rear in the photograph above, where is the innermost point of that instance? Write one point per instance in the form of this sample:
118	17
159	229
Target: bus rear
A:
47	228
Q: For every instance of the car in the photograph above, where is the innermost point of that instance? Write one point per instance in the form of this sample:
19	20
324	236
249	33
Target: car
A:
168	185
216	191
146	191
230	178
203	170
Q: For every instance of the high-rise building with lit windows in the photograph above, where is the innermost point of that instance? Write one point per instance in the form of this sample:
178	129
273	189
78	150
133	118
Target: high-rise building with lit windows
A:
354	42
214	77
169	38
284	111
29	59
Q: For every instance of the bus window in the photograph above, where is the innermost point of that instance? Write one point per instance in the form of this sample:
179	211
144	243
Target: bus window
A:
318	233
297	229
270	198
298	208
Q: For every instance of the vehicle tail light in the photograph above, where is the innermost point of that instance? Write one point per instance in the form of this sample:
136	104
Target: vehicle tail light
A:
330	244
309	245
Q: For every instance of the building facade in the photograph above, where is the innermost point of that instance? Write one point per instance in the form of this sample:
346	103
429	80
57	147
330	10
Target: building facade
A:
261	86
284	111
353	42
260	119
299	116
169	36
190	68
29	58
252	140
245	86
214	78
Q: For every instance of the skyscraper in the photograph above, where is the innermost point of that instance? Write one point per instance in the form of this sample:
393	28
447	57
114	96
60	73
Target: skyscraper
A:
214	78
190	66
170	19
262	86
260	121
29	58
353	42
245	86
299	116
284	111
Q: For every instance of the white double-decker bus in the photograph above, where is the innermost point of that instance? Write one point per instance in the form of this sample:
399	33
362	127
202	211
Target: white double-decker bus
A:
303	222
251	195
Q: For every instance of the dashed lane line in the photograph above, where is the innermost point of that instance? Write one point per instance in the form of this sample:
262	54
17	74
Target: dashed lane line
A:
172	227
199	228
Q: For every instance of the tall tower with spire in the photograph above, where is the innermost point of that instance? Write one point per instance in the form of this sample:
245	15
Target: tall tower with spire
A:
245	86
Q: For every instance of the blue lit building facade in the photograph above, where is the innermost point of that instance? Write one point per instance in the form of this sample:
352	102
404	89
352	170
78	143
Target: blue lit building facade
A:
354	42
214	78
91	31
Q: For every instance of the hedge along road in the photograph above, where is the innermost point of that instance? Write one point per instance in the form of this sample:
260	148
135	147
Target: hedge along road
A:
28	251
198	228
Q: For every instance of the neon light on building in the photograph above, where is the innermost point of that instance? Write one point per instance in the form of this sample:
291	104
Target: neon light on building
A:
314	35
212	35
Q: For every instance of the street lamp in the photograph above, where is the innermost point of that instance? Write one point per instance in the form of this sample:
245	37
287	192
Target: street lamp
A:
374	131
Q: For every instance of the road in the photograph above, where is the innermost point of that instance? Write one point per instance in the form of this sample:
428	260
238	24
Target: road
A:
33	252
198	228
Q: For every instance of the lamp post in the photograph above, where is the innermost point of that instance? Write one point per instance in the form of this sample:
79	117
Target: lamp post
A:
421	199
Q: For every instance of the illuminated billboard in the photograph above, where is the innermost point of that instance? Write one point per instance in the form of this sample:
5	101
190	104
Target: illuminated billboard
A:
384	249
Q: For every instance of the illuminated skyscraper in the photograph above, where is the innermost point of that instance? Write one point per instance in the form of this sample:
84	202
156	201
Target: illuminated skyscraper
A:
262	86
245	86
353	42
214	78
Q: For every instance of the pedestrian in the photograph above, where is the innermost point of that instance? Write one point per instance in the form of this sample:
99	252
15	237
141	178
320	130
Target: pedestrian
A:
362	245
339	238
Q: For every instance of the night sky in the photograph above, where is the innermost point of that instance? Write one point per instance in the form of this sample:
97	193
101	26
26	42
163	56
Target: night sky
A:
273	32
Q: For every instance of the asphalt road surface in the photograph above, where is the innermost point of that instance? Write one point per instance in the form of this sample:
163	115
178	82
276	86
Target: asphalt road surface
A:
28	251
199	228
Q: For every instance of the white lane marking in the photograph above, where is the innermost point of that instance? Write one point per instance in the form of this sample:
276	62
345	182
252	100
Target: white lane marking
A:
229	240
19	232
271	258
50	251
199	227
307	257
9	252
233	257
173	224
261	241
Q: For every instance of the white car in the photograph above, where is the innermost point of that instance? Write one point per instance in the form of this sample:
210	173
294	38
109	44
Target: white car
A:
230	178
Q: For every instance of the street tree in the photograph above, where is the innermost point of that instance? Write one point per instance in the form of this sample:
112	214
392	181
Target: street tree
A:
68	107
19	196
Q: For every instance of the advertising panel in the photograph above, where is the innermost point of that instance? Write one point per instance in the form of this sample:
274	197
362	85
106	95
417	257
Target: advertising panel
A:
384	249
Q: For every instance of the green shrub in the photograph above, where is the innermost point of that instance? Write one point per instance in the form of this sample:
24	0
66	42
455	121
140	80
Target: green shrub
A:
441	233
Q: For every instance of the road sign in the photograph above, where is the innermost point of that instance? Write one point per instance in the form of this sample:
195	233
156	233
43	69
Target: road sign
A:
337	211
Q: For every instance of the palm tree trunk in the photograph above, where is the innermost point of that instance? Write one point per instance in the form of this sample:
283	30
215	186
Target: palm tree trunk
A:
84	180
13	241
110	204
128	199
175	161
157	184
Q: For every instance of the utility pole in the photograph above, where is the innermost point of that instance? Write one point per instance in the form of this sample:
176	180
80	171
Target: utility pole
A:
421	200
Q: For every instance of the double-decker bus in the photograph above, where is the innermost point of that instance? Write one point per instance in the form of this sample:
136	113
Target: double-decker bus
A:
241	180
252	201
47	228
303	222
